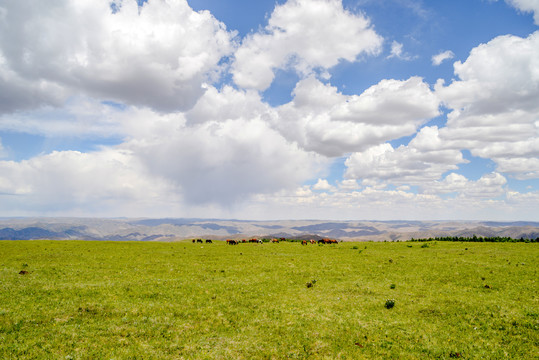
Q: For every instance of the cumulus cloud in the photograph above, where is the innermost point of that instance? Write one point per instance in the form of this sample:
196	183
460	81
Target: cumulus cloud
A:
224	157
441	57
169	167
527	6
220	152
158	55
488	186
144	75
323	120
221	162
348	184
225	104
323	184
494	104
296	37
376	202
422	161
107	181
18	92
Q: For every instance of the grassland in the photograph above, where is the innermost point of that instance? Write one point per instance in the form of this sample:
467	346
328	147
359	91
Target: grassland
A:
133	300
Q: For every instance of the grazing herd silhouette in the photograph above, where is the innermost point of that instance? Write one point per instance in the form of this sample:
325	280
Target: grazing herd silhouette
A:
274	240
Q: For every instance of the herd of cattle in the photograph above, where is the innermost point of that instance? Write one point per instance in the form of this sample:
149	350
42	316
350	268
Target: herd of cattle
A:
259	241
208	241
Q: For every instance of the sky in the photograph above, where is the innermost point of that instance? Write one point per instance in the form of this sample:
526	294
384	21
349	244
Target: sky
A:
270	110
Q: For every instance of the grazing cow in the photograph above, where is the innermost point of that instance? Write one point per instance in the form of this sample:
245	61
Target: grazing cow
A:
253	240
259	241
208	241
274	240
231	242
282	239
199	241
243	240
194	241
304	242
327	241
313	242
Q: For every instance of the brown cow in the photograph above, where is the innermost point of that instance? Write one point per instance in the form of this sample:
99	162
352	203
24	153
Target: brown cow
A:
253	240
327	241
274	240
313	242
231	242
304	242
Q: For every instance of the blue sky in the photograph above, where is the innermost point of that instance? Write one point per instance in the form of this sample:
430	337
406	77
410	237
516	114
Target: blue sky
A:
328	109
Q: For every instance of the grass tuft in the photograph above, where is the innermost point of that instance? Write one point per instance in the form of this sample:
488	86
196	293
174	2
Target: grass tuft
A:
390	303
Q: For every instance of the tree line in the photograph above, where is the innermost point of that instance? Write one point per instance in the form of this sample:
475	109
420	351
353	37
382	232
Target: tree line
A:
479	239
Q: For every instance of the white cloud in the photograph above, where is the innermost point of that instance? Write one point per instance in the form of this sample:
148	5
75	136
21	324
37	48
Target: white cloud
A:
494	104
191	148
422	161
500	75
527	200
441	57
322	184
87	118
396	49
225	104
383	204
157	56
219	152
69	182
349	184
80	117
396	52
488	186
223	156
527	6
297	36
323	120
170	168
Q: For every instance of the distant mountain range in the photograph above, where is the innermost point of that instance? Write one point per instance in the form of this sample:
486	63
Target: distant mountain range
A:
218	229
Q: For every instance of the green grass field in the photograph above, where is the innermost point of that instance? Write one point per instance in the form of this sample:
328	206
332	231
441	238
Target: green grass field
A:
133	300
